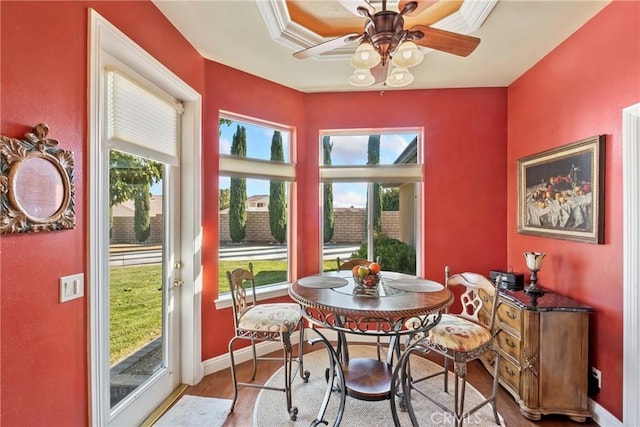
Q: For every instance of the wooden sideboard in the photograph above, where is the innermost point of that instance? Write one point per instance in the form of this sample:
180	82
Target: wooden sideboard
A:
544	352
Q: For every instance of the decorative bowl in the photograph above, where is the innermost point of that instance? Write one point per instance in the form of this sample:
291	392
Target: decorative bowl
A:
371	280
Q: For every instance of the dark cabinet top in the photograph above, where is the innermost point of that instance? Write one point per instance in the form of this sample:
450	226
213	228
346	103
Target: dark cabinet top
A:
550	301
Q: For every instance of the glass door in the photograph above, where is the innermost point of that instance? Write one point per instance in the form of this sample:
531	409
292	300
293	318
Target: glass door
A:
143	285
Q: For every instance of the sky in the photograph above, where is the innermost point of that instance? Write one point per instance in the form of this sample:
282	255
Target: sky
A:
347	150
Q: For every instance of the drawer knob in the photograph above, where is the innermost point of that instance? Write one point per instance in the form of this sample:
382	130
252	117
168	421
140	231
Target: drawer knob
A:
511	315
510	343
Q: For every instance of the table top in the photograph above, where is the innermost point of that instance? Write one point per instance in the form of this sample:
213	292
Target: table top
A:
391	302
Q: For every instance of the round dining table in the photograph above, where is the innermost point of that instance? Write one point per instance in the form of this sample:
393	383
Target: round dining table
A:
333	300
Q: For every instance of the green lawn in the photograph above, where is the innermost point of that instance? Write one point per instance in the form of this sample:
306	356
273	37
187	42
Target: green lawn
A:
136	308
136	300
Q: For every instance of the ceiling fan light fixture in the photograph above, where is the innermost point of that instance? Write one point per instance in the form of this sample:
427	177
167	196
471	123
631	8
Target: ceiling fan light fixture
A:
365	56
361	77
407	55
399	77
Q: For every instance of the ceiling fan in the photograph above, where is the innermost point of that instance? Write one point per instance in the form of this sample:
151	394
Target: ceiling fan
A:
385	40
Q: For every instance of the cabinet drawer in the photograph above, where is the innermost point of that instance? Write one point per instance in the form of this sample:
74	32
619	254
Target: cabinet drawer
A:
509	344
510	315
484	317
509	373
487	300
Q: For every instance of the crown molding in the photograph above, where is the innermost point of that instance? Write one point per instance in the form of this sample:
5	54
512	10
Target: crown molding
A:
284	30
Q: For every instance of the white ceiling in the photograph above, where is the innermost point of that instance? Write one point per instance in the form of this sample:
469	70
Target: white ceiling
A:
515	36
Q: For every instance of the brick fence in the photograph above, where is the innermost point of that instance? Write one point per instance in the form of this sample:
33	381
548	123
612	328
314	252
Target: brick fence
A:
349	227
122	230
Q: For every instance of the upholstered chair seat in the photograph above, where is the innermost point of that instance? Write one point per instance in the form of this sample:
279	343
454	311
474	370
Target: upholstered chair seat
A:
281	317
459	334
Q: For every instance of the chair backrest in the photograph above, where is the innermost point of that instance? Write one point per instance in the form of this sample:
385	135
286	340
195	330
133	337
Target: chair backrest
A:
478	291
237	279
348	264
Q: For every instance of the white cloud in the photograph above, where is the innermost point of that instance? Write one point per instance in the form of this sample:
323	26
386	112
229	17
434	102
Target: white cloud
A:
394	144
224	182
225	146
349	198
349	150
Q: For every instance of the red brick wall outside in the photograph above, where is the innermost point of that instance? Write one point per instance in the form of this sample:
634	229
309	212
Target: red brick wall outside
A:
349	226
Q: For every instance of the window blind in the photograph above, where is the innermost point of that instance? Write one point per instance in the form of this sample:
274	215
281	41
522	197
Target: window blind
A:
136	115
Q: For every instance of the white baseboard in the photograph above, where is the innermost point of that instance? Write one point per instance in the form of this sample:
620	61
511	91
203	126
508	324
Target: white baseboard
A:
603	417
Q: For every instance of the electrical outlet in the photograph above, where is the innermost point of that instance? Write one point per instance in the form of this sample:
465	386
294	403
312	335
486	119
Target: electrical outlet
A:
598	376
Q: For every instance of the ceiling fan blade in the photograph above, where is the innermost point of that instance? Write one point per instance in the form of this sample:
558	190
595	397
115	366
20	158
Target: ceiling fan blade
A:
353	5
445	41
328	45
422	5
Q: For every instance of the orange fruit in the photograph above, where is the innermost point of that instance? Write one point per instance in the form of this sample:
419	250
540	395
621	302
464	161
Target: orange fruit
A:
374	268
354	270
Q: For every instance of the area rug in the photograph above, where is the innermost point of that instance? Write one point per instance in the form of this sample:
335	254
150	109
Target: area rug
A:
270	407
192	411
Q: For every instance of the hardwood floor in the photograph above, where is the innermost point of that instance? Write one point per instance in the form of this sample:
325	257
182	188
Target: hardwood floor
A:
219	385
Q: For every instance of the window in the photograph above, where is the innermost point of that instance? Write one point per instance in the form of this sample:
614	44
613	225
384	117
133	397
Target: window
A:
369	193
255	171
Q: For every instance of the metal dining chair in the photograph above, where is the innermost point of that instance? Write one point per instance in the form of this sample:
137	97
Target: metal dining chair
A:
265	322
460	338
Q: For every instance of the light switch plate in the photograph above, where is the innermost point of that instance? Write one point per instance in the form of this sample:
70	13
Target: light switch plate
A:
71	287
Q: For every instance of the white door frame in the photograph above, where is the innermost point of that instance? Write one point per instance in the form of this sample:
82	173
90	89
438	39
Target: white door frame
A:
104	38
631	264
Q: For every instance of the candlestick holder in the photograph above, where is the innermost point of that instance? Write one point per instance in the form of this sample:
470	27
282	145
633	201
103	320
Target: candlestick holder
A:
534	263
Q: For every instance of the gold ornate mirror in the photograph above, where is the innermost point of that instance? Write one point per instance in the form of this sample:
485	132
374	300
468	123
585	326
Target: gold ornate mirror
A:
36	184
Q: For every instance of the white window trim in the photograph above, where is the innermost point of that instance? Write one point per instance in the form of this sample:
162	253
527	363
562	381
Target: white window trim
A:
105	39
249	168
377	174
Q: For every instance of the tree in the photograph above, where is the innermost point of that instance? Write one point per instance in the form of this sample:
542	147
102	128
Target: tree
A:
223	199
373	158
221	122
391	199
128	174
142	222
277	196
328	216
238	191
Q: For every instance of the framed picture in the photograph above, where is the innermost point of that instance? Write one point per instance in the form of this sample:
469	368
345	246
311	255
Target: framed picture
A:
561	192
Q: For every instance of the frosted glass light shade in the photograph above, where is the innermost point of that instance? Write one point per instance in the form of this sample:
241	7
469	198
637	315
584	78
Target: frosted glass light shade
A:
361	77
365	56
399	77
408	55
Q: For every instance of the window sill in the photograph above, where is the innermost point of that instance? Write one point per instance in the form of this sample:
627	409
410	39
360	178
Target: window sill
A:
262	293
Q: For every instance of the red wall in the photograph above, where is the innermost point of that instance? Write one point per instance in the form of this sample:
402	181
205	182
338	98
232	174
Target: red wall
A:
44	345
576	92
464	190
